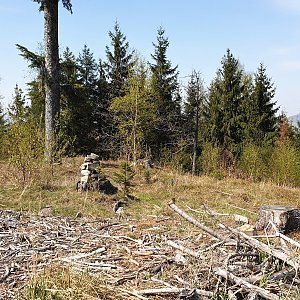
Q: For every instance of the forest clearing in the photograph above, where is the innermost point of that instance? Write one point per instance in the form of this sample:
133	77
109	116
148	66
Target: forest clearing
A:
191	190
81	249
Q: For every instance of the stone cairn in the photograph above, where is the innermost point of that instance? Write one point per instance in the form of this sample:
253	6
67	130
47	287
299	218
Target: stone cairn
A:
92	178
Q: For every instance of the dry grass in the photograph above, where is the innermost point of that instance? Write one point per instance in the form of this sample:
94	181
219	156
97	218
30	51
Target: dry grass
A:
152	193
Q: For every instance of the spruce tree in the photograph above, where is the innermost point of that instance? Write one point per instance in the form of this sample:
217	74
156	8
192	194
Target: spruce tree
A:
3	127
36	95
164	88
194	107
36	87
117	67
2	116
119	62
18	110
70	98
87	78
262	114
101	114
225	109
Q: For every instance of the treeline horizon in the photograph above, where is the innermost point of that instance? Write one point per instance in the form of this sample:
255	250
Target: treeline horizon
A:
126	108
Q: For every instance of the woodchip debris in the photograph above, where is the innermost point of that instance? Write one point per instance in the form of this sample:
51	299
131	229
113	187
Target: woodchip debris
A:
148	262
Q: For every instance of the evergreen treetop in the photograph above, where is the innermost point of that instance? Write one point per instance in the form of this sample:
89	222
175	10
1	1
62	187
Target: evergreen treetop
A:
119	62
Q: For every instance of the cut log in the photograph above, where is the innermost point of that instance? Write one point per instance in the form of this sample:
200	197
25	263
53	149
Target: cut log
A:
285	218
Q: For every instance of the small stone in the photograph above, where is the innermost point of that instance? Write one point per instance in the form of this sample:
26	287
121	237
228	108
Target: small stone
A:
46	211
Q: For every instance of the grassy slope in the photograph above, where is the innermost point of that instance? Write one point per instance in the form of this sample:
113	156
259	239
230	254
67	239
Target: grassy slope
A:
229	195
193	191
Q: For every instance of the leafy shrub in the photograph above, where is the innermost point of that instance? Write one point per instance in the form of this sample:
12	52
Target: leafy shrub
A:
209	161
25	149
253	161
124	177
284	166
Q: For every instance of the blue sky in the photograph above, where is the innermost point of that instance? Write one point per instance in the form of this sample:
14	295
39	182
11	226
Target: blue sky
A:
199	33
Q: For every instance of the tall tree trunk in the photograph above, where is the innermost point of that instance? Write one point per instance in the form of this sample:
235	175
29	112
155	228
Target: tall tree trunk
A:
52	88
195	146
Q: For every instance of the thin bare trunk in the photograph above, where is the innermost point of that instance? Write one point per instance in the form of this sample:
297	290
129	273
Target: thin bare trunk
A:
135	128
52	99
195	148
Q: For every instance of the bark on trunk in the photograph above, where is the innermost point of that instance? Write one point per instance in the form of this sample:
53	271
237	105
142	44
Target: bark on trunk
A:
285	218
52	89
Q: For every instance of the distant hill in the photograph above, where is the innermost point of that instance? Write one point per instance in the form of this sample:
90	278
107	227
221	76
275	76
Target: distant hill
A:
294	119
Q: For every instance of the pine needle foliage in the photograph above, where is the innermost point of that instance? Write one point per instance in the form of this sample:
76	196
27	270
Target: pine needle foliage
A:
124	178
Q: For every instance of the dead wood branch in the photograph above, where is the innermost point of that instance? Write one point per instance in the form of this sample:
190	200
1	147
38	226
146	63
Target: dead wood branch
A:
83	255
256	244
245	284
183	249
7	273
282	236
195	222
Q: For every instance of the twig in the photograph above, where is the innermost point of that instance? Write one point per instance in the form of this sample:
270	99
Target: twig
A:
133	293
237	207
224	193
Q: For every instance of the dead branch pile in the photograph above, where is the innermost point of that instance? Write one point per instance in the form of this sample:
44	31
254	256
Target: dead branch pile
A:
147	262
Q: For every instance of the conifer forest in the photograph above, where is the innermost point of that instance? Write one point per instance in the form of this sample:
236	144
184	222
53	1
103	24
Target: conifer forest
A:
124	107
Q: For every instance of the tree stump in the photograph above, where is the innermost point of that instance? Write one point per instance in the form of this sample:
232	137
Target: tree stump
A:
285	218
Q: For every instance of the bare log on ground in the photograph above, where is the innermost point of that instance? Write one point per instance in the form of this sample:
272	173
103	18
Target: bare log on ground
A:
285	218
256	244
195	222
246	285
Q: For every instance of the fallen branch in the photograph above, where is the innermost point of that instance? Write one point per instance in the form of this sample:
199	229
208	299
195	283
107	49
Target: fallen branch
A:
183	249
240	208
292	261
195	222
83	255
284	237
246	285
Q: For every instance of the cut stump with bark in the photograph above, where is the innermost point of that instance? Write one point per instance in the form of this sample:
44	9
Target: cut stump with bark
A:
285	218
